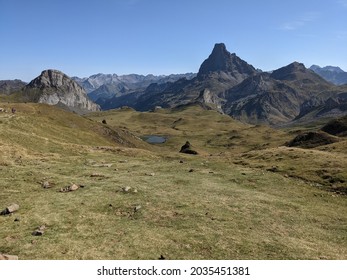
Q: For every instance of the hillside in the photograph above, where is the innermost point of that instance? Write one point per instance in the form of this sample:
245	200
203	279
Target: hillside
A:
277	97
243	196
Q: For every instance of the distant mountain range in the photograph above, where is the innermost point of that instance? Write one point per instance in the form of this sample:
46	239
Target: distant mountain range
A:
9	86
224	82
332	74
106	86
230	85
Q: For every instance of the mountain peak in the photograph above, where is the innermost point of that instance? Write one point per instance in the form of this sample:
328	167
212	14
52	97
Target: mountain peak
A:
332	74
221	60
334	69
49	78
219	48
289	72
54	87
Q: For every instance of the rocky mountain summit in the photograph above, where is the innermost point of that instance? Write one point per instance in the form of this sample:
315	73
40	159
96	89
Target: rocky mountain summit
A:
218	73
228	65
332	74
55	88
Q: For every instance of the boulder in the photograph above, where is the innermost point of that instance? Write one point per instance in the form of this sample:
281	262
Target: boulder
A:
187	149
39	230
71	188
10	209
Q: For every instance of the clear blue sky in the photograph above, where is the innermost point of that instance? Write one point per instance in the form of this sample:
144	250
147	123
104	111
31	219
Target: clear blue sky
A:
82	38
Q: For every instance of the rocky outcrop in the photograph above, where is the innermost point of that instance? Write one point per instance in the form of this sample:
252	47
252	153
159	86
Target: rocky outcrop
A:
222	61
187	149
55	88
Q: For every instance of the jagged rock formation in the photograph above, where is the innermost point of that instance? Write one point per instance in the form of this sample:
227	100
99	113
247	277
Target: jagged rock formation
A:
55	88
225	64
218	73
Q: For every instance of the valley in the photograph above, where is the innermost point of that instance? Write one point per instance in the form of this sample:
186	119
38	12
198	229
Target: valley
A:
245	195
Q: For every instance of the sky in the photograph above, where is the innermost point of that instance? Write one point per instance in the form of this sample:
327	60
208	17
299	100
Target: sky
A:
160	37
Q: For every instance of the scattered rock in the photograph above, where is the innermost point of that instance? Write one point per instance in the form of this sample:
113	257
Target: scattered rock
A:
126	189
123	161
161	257
150	174
104	122
181	161
16	219
191	170
102	165
273	168
97	175
10	209
39	231
5	257
47	184
71	188
187	149
137	208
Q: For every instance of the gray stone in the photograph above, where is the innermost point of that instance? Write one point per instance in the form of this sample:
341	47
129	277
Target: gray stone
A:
10	209
39	231
126	189
71	188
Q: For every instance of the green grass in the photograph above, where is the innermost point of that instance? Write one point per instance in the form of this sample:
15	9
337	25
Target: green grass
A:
221	210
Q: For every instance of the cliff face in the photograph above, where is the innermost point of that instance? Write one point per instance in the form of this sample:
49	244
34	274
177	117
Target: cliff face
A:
55	88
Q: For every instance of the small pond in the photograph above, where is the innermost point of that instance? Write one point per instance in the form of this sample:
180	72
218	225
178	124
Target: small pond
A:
154	139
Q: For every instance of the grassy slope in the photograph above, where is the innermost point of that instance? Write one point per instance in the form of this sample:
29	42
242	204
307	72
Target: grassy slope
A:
221	210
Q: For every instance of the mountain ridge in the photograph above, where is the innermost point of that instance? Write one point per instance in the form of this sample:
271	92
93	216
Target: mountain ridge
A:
332	74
